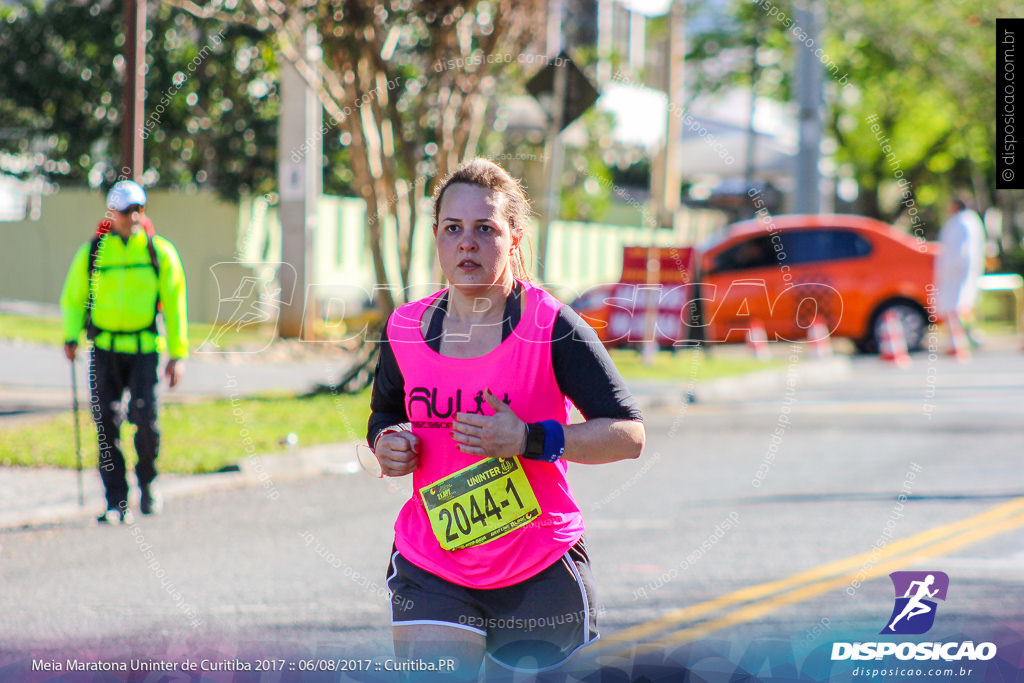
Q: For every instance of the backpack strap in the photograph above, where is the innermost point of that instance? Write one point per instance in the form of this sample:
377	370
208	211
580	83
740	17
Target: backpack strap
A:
94	247
156	270
152	256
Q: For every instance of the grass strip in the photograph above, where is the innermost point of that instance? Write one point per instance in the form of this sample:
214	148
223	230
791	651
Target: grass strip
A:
686	365
49	330
198	437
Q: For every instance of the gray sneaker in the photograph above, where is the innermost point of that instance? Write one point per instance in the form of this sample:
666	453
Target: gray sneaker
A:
115	516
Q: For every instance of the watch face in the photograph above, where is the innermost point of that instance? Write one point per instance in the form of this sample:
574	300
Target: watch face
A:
535	441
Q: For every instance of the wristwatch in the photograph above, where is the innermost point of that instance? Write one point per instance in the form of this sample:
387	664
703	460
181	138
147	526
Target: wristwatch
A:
535	433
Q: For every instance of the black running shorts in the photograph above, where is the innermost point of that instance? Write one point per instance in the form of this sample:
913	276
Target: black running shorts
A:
533	625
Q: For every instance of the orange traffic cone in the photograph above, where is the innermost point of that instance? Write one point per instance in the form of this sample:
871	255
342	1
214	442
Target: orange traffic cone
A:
892	346
757	340
819	339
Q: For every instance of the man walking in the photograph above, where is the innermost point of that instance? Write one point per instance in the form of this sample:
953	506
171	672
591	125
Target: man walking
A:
117	287
957	269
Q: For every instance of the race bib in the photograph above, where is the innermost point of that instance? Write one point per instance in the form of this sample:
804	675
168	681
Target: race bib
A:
479	503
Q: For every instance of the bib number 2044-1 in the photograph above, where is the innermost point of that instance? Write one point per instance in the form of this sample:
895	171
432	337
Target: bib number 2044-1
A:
480	503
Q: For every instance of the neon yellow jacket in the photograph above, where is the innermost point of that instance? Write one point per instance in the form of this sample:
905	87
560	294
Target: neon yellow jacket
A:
125	288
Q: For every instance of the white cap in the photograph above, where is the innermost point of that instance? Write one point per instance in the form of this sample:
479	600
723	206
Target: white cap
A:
124	194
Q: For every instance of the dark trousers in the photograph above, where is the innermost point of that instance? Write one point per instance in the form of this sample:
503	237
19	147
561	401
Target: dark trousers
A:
109	375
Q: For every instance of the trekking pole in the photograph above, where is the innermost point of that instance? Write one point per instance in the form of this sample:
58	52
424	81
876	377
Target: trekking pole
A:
78	432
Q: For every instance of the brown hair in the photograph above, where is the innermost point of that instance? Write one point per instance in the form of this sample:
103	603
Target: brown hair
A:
489	175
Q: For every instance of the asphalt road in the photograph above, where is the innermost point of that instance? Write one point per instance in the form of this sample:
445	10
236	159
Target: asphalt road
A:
727	497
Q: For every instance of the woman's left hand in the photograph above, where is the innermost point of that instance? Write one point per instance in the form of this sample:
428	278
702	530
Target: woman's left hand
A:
501	435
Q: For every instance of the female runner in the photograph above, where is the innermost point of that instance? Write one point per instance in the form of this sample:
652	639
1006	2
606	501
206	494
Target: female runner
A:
472	396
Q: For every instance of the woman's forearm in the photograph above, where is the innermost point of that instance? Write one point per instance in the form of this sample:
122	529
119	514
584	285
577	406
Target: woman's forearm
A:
604	439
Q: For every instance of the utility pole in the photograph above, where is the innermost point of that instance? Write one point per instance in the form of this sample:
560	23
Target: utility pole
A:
809	81
755	72
134	97
675	87
554	157
605	43
300	176
667	172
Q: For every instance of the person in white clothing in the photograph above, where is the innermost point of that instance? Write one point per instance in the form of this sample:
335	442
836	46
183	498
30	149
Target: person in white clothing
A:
957	269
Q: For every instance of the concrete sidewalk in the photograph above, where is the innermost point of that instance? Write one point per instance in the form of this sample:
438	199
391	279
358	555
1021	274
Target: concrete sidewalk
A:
31	497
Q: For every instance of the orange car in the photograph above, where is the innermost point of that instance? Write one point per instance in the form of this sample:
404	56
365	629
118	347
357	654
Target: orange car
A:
619	311
785	270
782	271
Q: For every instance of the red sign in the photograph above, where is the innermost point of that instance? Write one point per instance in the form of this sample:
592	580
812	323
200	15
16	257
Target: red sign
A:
666	290
674	265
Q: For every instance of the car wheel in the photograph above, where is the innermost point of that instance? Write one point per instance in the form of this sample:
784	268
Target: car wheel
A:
912	318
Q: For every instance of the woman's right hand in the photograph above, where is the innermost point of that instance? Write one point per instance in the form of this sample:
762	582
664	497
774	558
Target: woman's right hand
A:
398	453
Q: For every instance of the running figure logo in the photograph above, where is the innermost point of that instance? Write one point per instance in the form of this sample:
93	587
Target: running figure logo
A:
914	612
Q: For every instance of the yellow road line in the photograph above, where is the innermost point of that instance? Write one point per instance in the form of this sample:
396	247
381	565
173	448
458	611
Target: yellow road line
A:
760	609
815	574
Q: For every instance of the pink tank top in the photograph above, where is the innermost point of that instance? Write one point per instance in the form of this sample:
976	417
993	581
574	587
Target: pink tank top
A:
518	372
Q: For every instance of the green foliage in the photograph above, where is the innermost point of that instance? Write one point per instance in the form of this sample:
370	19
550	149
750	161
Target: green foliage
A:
746	45
219	83
926	80
1013	261
924	77
587	185
589	196
211	107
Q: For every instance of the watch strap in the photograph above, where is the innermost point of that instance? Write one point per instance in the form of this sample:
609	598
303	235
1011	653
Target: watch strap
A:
545	441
